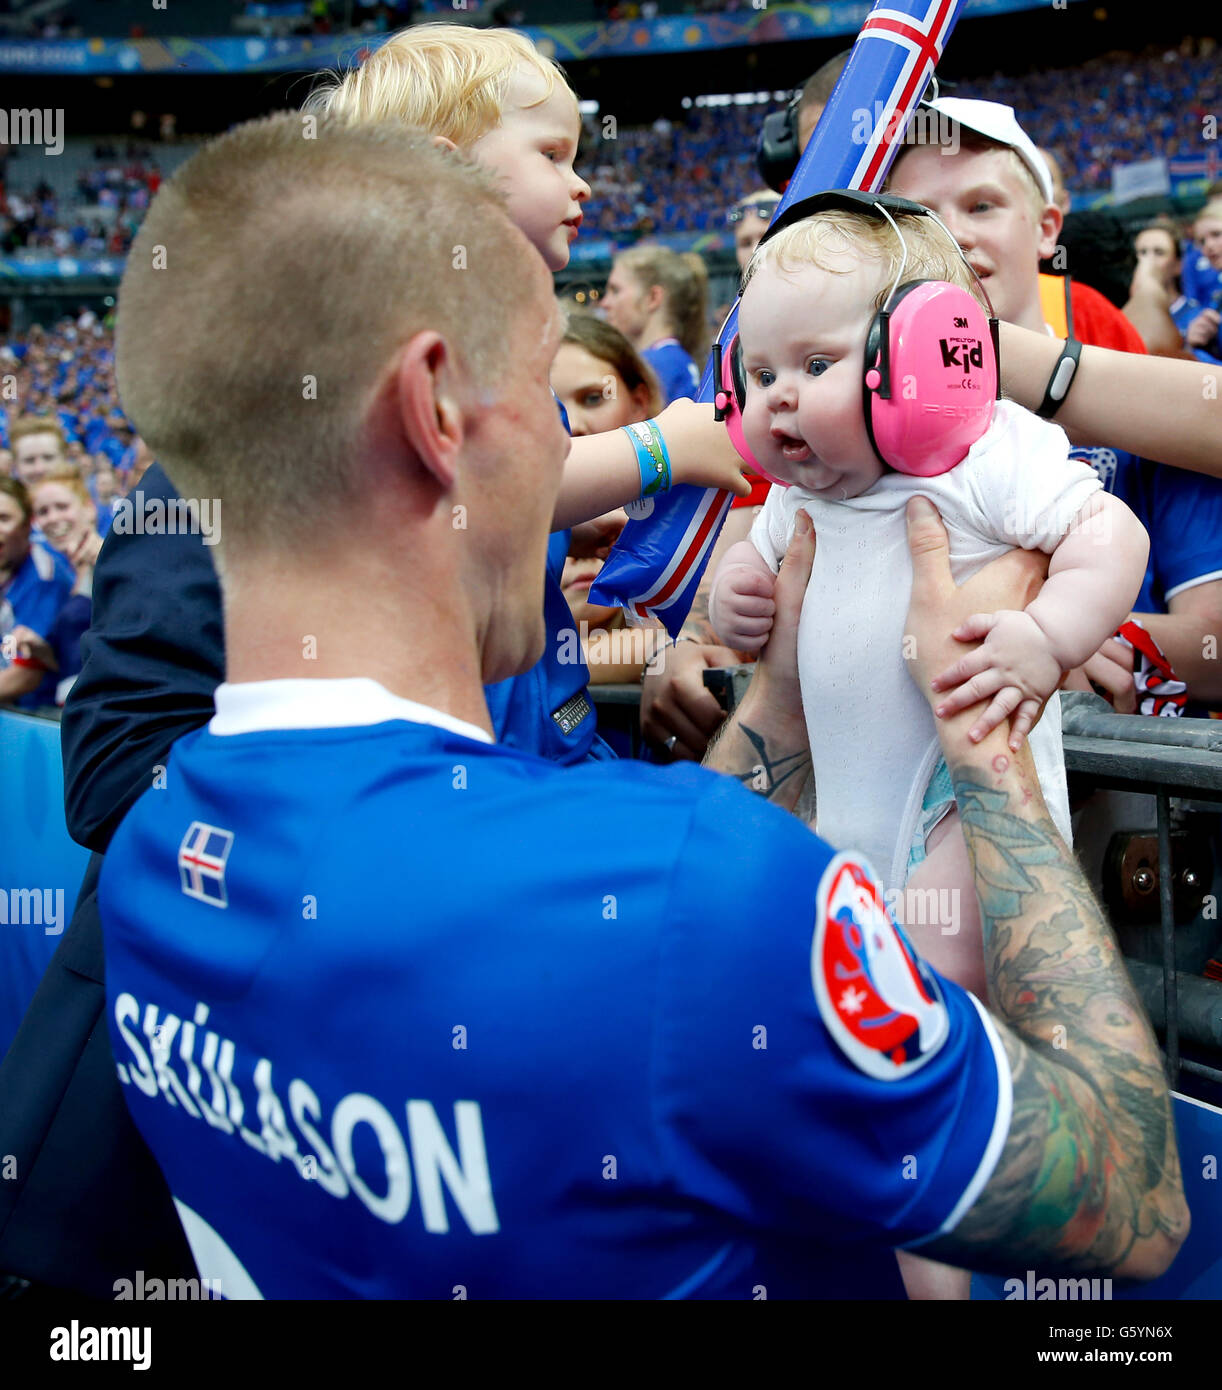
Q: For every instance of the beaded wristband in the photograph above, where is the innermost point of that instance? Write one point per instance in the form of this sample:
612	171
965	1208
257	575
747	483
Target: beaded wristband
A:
651	457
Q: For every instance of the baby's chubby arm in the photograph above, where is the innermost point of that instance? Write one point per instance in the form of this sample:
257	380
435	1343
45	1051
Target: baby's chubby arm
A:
740	599
1094	576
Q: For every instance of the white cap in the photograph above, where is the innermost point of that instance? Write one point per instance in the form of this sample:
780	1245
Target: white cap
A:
998	122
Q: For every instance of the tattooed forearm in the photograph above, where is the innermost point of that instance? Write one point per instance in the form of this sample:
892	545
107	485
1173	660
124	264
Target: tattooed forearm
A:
767	762
1089	1178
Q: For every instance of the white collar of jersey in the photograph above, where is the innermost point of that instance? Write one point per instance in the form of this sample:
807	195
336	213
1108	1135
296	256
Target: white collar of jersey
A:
259	706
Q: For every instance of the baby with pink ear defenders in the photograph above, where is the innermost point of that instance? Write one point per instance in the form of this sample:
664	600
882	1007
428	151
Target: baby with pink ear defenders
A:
812	419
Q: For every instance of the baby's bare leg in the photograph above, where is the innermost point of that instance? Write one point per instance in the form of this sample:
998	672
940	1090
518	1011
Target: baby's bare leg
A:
942	917
941	898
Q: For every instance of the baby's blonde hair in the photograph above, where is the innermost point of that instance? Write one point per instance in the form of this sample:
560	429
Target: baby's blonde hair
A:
445	78
823	240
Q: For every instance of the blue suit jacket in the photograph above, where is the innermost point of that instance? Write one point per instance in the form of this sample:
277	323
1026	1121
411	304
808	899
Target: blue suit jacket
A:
89	1206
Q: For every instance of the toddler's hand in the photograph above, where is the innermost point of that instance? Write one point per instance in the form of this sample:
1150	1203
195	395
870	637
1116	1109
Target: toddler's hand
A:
741	606
1015	664
699	447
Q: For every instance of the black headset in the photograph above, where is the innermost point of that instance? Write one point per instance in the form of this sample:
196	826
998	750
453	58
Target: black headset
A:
777	151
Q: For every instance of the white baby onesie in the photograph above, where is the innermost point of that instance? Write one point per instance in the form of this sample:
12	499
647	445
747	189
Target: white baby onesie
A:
872	735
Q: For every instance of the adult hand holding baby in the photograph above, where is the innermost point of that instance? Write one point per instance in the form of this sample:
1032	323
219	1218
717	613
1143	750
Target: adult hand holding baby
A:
764	742
939	609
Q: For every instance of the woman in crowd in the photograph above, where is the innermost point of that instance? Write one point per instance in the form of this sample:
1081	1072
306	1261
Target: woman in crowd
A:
603	384
65	513
1202	323
67	517
1159	256
1159	263
104	489
658	299
35	585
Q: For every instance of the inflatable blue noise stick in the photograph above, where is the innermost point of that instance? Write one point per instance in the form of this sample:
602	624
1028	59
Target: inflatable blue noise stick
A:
655	566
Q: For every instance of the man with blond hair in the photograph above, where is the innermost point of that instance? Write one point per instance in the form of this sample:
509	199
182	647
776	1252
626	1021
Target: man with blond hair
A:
345	992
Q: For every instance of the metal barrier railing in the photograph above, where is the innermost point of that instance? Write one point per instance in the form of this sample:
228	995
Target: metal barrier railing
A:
1171	759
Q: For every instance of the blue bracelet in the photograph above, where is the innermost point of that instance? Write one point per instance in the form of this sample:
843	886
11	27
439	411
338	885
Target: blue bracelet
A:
651	456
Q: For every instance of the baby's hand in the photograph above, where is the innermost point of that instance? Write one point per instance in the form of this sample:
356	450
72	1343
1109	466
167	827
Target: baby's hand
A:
740	603
1015	664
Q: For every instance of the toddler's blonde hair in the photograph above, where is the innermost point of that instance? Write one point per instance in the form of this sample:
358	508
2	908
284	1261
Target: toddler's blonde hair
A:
445	78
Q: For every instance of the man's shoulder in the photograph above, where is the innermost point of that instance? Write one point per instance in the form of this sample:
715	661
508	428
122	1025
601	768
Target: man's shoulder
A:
375	769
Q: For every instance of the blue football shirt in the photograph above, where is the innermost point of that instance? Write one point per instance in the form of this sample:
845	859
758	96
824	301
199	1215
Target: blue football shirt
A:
1199	279
36	593
547	710
677	373
1182	312
392	1028
1182	511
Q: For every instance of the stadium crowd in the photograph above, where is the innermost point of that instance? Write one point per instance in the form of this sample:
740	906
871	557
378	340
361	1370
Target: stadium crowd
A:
112	194
645	180
1115	110
657	178
67	457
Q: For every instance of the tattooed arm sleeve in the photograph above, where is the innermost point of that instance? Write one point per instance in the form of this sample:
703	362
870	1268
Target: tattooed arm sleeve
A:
767	754
1089	1177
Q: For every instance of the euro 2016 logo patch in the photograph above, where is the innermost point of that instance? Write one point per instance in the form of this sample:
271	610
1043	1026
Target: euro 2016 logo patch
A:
880	1003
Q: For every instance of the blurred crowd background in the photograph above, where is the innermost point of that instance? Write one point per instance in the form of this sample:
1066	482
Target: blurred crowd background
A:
674	174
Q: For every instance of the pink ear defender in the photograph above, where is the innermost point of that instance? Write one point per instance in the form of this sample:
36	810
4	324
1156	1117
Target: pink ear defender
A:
931	371
931	377
729	399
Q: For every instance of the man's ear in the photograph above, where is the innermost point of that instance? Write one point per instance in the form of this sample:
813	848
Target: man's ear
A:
1049	225
443	143
428	410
